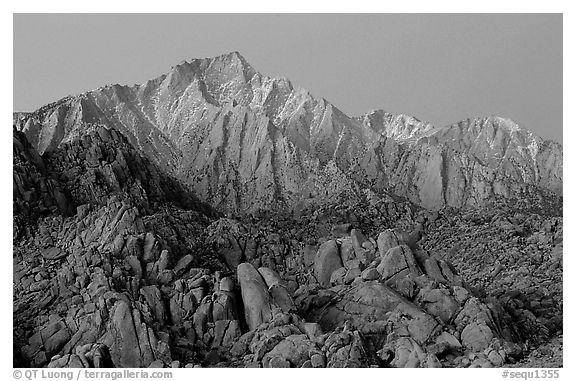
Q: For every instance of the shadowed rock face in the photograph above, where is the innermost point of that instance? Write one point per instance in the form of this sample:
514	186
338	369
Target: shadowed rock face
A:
101	163
244	141
36	192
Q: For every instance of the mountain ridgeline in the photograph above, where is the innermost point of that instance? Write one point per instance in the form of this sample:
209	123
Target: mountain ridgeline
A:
242	141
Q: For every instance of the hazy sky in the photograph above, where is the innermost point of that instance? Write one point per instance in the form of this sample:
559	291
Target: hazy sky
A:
440	68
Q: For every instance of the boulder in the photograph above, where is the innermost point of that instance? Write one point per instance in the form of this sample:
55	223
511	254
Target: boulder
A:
224	307
446	342
130	341
154	300
151	250
281	297
370	274
255	297
225	332
476	336
326	261
55	336
53	253
347	253
337	276
358	240
387	240
367	302
397	263
313	330
438	303
271	277
295	349
183	264
226	284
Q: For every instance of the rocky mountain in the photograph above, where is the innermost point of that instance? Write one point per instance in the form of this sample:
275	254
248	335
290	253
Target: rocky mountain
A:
244	141
374	241
89	169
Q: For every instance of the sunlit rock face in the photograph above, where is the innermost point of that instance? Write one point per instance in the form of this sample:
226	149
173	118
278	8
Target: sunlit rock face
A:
244	141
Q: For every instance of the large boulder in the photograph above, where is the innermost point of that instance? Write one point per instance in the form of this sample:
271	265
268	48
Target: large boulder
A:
132	343
326	261
255	297
476	336
295	349
347	253
224	306
55	336
270	277
439	303
397	263
368	302
225	332
387	240
364	248
153	298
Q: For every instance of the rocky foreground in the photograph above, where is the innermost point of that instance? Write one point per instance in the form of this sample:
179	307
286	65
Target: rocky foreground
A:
116	265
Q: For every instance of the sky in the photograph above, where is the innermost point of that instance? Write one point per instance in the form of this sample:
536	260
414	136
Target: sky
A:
441	68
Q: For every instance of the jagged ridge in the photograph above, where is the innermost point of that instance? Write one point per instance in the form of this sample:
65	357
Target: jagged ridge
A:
245	141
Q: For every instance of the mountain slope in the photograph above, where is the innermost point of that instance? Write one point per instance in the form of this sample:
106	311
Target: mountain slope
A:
244	141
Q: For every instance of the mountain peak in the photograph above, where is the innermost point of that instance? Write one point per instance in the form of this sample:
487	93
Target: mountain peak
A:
231	57
229	61
506	123
190	116
400	127
236	55
489	126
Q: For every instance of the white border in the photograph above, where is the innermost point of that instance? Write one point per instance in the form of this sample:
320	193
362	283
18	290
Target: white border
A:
299	6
